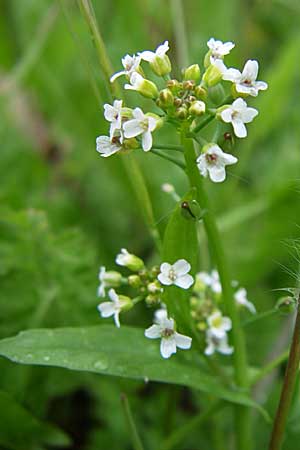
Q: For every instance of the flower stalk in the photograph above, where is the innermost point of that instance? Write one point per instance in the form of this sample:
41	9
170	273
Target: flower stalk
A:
239	355
288	388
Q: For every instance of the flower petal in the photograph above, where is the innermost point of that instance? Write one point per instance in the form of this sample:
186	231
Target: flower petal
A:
165	267
239	128
153	332
113	296
181	267
233	75
226	115
116	319
117	75
250	70
217	174
147	141
147	55
132	128
106	309
164	279
184	281
183	342
167	347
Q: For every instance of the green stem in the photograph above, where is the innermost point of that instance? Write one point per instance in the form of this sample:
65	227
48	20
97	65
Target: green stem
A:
135	438
270	366
288	388
203	124
215	241
179	435
178	24
107	69
168	158
130	163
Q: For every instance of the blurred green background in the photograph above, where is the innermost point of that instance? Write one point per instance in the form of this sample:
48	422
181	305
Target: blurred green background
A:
64	211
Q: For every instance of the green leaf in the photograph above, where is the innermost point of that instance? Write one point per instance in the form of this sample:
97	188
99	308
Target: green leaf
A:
180	241
121	352
21	430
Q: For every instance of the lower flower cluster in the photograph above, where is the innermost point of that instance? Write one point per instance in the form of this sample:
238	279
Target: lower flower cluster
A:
149	285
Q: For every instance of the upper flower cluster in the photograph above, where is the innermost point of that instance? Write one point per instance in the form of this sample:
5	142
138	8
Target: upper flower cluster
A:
188	104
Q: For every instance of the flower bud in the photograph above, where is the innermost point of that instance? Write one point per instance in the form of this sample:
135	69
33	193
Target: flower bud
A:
200	92
207	61
152	299
126	302
174	86
112	278
177	102
130	261
126	113
188	85
213	75
192	73
197	108
161	65
286	305
148	89
216	94
181	113
166	97
134	281
154	287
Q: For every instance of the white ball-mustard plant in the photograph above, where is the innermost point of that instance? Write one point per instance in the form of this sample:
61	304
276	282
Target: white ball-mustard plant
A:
113	307
141	125
218	324
219	49
245	81
214	344
213	161
164	328
108	146
158	60
177	274
238	114
240	297
131	65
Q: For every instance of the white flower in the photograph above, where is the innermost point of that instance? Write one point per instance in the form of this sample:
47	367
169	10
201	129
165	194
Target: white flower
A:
140	84
241	298
130	64
216	344
176	274
213	162
141	125
113	114
107	146
112	308
160	314
170	339
245	82
238	114
219	49
159	52
211	280
218	324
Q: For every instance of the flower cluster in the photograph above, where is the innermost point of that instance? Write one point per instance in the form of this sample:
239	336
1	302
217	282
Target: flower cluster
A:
206	310
188	104
149	285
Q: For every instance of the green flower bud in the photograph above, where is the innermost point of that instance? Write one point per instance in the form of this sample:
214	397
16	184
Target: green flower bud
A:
200	92
207	62
197	108
130	144
181	112
286	305
166	97
161	65
177	102
213	75
126	303
134	281
152	299
148	89
216	94
192	73
112	278
154	287
126	113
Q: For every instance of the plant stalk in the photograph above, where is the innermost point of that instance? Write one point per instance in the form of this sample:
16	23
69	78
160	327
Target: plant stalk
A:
216	244
135	438
287	388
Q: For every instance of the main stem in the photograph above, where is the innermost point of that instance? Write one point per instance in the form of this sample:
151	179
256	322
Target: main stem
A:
239	357
288	387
